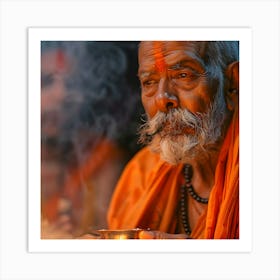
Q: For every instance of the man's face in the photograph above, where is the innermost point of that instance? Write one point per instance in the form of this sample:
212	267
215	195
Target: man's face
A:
172	74
178	95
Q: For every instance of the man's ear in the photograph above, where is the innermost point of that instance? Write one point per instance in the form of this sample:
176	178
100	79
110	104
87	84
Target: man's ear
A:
232	88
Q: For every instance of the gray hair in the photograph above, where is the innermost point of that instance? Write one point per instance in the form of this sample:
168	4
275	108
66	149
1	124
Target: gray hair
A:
218	55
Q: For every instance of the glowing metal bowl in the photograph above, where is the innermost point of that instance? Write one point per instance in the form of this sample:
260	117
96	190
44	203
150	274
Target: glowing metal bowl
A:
116	234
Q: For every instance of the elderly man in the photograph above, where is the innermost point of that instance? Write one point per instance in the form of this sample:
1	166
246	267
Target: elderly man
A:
185	182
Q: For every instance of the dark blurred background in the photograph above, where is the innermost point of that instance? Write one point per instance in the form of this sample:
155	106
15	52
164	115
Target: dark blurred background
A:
90	113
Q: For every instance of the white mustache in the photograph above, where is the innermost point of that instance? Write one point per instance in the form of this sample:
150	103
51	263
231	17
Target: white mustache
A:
175	119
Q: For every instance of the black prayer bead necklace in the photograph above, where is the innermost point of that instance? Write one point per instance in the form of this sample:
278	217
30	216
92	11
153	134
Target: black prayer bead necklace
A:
187	188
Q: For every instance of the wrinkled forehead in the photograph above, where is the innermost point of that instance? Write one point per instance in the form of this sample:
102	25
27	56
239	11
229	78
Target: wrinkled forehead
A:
149	46
158	52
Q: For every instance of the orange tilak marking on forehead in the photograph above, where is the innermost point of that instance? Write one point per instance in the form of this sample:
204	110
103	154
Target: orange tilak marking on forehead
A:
159	59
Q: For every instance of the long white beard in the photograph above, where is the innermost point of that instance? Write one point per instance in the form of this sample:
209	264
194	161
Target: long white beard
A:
166	133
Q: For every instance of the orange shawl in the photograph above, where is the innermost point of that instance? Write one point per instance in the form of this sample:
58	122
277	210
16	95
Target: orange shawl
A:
147	194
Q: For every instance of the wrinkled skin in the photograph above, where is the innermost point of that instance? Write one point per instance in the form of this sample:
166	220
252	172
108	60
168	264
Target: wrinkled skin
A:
171	77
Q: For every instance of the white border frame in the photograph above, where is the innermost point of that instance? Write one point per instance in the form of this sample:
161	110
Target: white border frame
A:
262	16
243	35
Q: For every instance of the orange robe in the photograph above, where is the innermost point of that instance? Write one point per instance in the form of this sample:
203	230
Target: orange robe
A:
147	194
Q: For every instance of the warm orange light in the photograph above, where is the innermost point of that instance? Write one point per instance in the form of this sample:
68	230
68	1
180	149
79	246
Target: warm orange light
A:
122	236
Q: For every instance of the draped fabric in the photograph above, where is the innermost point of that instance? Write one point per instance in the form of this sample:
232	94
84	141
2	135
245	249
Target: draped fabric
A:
147	194
221	218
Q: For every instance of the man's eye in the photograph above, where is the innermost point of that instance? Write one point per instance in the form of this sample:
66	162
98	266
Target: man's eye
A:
149	83
183	75
186	75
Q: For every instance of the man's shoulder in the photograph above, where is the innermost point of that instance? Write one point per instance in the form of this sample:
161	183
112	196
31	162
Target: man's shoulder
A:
141	169
145	156
143	163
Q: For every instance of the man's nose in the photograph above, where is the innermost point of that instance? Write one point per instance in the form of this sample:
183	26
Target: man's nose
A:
166	101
